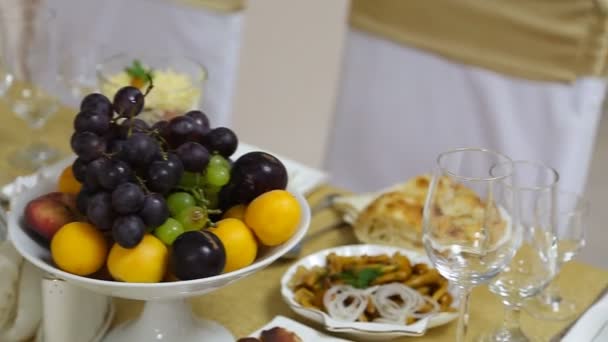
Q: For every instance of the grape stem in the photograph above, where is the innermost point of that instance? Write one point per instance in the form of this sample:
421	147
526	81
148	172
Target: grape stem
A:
131	120
199	196
150	84
201	200
197	193
163	143
142	183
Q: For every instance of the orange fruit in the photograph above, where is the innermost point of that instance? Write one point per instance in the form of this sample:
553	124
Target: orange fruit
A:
239	243
144	263
237	212
273	216
67	183
79	248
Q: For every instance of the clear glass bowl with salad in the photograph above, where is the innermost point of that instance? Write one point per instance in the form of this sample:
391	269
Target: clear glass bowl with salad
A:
179	82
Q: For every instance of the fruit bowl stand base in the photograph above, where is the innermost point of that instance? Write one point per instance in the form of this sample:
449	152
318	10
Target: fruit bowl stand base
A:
169	321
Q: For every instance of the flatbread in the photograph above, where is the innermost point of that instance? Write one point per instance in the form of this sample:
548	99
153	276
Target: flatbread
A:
394	217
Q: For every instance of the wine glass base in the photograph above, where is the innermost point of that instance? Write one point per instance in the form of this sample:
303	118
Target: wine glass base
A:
169	321
558	309
33	157
506	335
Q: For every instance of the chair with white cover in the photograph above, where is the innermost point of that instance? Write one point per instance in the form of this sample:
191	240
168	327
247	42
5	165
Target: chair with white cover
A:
403	101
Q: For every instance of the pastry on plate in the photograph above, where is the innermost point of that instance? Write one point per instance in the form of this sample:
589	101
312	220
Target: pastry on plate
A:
394	217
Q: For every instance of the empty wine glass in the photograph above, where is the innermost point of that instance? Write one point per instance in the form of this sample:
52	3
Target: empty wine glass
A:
28	75
533	265
468	229
571	213
77	73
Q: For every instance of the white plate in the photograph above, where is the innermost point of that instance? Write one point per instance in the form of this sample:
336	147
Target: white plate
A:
365	331
304	332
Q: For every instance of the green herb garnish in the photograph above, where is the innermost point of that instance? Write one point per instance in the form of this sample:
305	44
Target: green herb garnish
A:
361	279
137	71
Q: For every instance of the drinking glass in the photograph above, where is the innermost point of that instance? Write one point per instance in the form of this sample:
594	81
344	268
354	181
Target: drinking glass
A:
571	213
77	73
533	265
28	75
468	229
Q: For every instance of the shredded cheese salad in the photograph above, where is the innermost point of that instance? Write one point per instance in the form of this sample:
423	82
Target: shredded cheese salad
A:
173	91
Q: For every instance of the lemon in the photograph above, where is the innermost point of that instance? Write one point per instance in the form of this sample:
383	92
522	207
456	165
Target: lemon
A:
79	248
237	212
273	216
67	183
144	263
239	243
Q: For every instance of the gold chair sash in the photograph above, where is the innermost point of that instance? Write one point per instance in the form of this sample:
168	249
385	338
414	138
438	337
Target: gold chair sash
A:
536	39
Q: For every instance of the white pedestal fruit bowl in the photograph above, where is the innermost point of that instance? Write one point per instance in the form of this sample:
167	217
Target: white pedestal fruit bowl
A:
166	315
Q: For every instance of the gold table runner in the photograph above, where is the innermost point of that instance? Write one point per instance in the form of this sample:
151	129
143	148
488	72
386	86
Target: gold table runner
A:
15	134
247	305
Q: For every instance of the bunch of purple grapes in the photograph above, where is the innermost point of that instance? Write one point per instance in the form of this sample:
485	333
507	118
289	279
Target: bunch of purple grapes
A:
128	168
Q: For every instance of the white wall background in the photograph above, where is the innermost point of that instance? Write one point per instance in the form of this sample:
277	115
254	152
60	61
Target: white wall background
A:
288	77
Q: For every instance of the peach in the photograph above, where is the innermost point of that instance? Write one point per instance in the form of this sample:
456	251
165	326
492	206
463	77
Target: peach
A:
44	215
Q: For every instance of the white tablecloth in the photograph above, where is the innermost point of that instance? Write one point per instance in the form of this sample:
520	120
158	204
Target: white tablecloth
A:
592	326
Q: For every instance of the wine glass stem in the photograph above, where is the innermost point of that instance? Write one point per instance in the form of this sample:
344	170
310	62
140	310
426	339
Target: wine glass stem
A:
463	317
551	293
511	319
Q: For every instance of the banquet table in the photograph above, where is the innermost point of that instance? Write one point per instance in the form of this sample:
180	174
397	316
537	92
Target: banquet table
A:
249	304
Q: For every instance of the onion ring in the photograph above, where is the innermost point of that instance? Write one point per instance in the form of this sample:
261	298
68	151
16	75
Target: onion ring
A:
435	309
335	302
390	309
393	312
